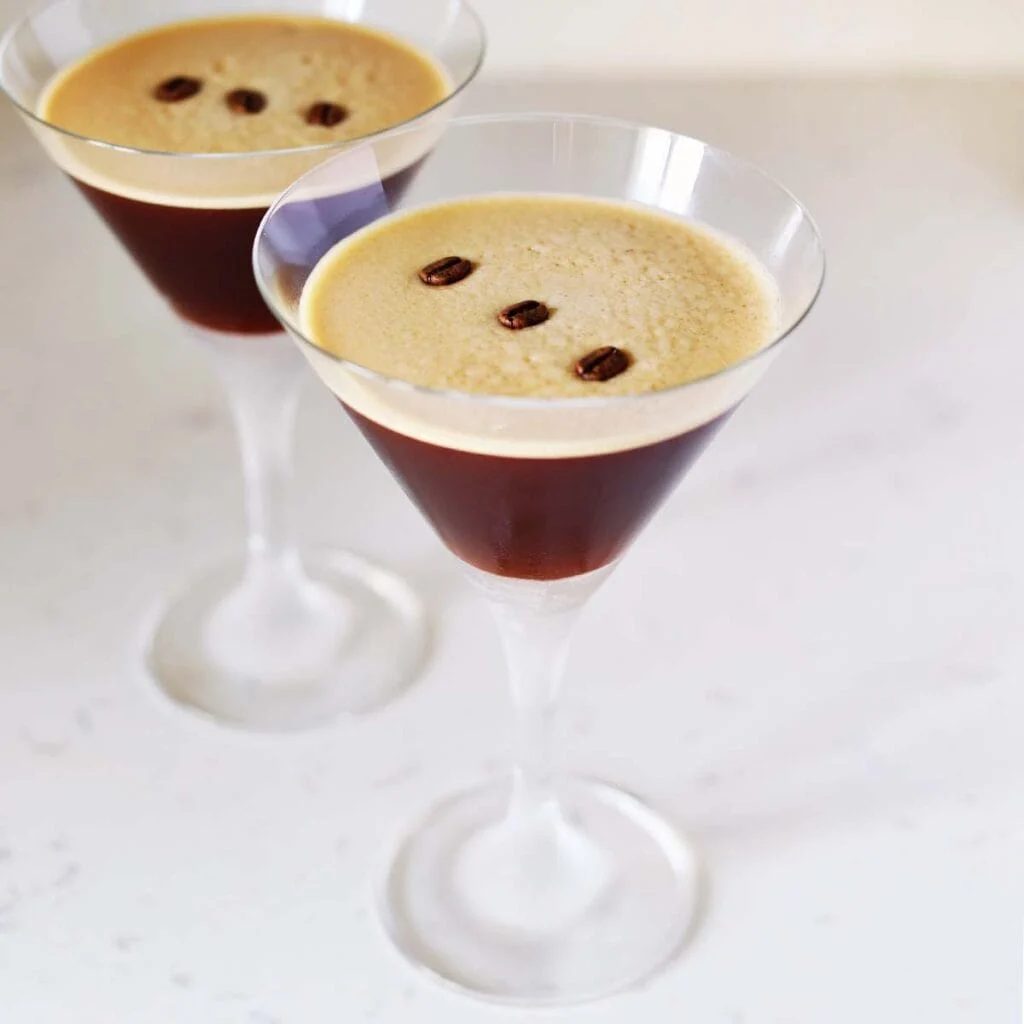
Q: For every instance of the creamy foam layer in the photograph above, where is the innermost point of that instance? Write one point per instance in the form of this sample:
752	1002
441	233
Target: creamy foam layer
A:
293	62
683	301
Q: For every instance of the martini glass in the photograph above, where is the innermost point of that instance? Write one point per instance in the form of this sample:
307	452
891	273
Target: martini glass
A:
270	640
541	888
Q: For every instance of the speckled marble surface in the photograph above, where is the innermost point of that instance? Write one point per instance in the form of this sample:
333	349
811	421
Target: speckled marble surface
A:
821	676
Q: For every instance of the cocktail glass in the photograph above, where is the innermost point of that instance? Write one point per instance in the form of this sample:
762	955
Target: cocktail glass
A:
270	640
541	888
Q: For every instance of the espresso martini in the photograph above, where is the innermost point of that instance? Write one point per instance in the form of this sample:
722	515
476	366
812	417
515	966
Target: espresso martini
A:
268	85
537	299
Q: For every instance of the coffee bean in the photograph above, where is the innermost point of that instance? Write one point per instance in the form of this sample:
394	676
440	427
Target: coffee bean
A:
326	114
180	87
527	313
446	271
245	101
602	364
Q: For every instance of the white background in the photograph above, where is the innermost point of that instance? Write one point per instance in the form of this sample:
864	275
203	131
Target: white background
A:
701	36
688	36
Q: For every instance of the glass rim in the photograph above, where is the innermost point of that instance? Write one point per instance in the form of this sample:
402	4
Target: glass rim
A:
520	401
7	40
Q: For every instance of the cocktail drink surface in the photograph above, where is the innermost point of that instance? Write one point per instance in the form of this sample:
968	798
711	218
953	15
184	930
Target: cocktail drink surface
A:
246	84
674	301
180	132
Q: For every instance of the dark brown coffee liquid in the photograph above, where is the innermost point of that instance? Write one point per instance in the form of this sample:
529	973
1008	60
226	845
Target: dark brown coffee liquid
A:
200	259
539	519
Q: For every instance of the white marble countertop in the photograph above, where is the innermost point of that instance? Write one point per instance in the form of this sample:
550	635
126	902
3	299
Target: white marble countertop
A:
822	678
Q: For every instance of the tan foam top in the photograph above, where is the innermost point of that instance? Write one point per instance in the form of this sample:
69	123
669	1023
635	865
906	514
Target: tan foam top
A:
293	62
682	301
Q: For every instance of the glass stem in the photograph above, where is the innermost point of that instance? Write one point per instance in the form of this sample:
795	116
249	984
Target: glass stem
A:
276	618
261	376
535	621
535	645
534	868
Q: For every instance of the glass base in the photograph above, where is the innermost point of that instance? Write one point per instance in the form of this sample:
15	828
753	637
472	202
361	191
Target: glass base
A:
292	649
567	904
